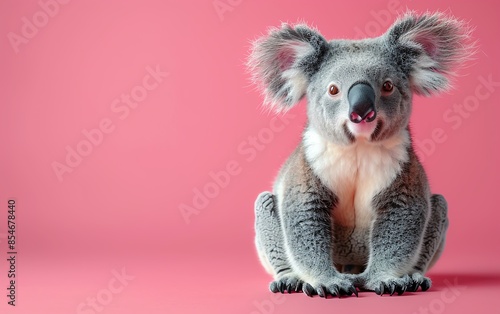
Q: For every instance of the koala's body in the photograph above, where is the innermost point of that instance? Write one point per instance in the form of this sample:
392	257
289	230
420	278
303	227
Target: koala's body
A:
351	207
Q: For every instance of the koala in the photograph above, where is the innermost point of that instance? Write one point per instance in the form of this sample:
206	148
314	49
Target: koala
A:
351	209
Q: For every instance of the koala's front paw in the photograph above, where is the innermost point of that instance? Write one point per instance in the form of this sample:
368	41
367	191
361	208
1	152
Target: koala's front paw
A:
390	285
288	283
336	286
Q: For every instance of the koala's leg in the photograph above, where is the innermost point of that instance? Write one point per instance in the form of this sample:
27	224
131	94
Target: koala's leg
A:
269	242
307	226
433	243
395	245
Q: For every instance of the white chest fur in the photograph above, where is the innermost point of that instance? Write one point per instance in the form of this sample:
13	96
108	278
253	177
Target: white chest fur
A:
355	173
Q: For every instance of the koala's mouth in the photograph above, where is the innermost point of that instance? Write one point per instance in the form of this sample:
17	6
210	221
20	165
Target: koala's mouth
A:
367	130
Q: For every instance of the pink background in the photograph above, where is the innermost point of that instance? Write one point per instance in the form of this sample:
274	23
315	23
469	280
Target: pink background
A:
119	206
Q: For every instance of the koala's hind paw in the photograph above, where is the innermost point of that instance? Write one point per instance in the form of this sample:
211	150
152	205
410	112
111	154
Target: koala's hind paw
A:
288	283
336	288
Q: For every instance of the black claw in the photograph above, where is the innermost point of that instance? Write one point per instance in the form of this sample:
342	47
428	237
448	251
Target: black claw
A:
402	290
282	287
308	289
392	289
353	290
426	284
413	287
289	288
382	288
377	291
335	291
322	292
298	286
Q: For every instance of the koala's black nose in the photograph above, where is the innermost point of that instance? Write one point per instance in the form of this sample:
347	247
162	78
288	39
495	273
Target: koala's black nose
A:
361	98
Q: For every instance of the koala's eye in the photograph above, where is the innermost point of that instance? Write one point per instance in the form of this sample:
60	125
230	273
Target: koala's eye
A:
333	89
387	86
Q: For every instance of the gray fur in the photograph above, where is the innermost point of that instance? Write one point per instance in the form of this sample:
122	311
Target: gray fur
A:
314	233
270	56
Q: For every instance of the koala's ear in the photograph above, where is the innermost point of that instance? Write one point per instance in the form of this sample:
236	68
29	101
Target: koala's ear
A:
283	62
428	48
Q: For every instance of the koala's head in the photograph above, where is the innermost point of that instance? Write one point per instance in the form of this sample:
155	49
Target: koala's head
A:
359	88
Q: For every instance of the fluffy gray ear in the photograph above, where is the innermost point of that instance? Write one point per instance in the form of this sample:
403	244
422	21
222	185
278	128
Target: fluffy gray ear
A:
428	48
283	62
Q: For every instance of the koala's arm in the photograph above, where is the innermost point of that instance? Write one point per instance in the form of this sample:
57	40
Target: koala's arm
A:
397	234
305	206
